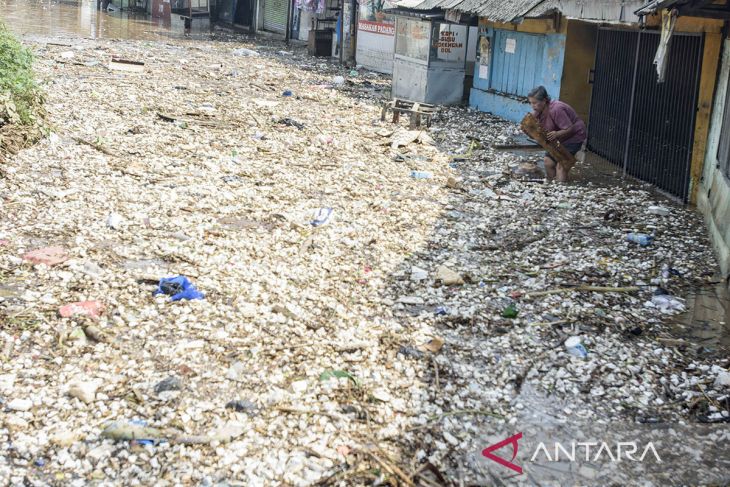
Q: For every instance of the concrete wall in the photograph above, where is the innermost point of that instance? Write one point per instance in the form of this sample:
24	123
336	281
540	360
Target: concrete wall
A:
376	45
713	198
580	54
510	107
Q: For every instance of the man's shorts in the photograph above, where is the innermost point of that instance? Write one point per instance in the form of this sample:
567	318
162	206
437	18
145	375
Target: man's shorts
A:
573	148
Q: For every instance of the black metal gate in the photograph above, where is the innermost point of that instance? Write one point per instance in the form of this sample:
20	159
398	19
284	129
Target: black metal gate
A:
643	126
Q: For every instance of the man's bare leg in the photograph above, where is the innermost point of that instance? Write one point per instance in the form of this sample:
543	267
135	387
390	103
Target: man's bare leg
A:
550	168
562	174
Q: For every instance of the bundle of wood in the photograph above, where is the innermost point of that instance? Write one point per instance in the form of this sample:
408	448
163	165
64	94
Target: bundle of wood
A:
557	151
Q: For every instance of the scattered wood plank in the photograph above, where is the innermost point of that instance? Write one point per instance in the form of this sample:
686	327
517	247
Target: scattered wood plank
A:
120	64
562	156
508	147
95	146
582	289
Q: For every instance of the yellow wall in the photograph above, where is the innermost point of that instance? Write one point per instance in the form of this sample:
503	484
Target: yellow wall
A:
580	54
708	77
688	24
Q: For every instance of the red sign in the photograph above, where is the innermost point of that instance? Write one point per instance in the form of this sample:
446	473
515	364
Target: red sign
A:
384	28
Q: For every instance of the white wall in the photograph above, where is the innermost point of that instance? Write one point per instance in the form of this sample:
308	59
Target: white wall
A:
375	45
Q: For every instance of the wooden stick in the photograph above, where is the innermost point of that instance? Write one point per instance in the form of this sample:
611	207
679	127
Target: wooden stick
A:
436	371
479	412
554	323
585	289
392	469
286	409
95	146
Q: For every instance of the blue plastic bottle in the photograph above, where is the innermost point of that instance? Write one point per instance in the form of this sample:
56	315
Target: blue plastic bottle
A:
640	238
421	174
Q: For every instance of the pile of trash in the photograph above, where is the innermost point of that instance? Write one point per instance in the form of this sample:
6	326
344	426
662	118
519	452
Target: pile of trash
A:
223	267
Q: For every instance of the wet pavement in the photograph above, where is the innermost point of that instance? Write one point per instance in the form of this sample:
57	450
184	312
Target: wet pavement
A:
705	324
34	19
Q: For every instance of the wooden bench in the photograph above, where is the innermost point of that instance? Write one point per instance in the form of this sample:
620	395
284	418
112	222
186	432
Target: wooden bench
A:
416	111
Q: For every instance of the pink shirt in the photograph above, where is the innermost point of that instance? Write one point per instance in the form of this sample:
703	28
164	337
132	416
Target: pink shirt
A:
560	116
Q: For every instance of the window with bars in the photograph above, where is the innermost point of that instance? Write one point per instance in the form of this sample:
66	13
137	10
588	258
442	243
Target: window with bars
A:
723	149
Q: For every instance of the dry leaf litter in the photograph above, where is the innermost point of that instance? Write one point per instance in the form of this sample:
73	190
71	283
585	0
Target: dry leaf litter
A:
357	322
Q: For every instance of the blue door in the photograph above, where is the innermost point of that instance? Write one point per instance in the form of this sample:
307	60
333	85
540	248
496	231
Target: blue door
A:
516	62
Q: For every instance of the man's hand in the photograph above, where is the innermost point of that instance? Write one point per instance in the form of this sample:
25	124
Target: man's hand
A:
552	135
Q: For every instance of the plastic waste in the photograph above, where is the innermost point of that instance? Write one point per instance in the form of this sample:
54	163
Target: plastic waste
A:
338	80
421	174
667	303
178	287
575	348
418	274
640	238
441	311
134	430
658	210
290	122
245	52
322	216
287	93
114	221
510	312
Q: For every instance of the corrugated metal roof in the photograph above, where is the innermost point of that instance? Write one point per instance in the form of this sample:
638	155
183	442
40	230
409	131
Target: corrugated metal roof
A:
496	10
591	10
509	10
655	5
407	3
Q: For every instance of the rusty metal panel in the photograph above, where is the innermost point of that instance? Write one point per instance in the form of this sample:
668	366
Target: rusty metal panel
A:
161	9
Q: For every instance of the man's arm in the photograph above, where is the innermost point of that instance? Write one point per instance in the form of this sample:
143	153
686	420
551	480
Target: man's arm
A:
566	126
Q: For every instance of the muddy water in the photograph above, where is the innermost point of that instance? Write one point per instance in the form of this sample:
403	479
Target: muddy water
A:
706	324
80	18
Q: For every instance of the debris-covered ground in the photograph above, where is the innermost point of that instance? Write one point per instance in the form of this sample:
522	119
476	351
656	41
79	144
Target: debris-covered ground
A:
359	325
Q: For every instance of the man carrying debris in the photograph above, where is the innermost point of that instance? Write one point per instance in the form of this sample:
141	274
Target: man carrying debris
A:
561	123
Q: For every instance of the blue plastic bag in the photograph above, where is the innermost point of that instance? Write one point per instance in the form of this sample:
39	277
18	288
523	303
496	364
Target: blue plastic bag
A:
322	216
178	287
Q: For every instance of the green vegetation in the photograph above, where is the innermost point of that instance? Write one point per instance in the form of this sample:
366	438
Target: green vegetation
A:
20	96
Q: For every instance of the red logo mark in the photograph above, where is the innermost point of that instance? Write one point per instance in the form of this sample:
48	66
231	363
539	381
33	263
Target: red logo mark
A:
487	452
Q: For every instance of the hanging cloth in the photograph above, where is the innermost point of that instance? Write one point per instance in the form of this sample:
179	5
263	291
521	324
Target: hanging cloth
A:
669	20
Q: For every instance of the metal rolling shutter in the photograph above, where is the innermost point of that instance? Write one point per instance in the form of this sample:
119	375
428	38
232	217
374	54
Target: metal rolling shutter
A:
275	15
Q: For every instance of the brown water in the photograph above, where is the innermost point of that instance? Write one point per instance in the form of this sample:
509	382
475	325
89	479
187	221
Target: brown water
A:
34	19
706	324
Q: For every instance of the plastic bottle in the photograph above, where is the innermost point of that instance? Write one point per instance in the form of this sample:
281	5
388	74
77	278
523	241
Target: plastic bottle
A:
658	210
574	347
640	238
421	174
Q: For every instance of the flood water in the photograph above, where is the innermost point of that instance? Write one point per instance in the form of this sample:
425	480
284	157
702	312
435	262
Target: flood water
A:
706	324
32	19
